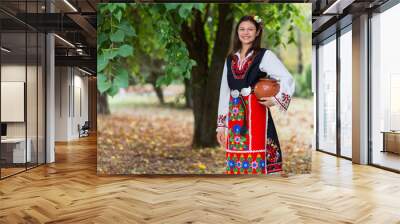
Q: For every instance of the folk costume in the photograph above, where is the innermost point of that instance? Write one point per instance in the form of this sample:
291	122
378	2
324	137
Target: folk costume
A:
252	144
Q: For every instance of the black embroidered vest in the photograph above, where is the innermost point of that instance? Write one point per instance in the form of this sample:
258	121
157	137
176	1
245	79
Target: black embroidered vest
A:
253	73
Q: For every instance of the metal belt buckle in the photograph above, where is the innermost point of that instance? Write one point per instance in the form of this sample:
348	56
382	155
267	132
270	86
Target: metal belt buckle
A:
245	91
235	93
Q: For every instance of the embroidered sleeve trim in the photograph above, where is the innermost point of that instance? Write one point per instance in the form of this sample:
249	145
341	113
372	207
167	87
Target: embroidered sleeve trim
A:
221	120
283	101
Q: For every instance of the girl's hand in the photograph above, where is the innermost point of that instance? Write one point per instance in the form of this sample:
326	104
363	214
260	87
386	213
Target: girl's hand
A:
221	138
267	101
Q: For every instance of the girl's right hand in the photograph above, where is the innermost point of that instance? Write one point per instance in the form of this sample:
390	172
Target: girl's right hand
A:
221	138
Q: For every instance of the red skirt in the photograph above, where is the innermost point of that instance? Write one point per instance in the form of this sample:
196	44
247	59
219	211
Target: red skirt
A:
248	148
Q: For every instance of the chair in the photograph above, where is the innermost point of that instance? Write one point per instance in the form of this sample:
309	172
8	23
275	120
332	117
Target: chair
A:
84	130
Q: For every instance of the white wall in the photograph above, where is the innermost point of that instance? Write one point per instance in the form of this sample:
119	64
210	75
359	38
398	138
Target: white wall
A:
12	73
71	94
62	81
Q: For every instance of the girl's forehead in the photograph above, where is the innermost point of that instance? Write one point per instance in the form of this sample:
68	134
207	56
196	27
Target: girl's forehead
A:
246	24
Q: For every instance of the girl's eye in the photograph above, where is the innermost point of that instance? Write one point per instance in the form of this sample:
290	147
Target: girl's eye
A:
247	29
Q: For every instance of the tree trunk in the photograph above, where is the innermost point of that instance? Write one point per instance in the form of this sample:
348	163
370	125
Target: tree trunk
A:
188	94
194	37
159	93
211	98
205	85
102	105
153	68
153	80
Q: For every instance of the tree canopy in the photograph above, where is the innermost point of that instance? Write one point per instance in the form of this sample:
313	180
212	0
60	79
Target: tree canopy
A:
128	33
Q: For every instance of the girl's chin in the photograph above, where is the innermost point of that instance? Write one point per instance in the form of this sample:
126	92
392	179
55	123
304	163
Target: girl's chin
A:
246	41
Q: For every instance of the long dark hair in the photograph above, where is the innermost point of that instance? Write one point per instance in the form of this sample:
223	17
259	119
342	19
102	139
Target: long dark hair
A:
256	46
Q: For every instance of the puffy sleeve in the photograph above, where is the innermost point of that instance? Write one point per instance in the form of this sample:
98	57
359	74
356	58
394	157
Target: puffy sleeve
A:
271	64
223	105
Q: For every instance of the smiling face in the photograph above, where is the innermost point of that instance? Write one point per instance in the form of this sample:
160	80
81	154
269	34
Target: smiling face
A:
247	32
248	35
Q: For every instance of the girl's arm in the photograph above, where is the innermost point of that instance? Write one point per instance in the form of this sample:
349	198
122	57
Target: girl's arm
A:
271	64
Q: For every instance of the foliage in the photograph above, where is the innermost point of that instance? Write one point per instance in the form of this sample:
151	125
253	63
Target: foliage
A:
128	31
121	26
115	32
303	83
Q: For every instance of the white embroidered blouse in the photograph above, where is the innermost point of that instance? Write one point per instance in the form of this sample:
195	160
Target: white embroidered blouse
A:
270	64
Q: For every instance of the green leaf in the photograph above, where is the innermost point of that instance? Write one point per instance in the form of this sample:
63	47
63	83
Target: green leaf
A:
192	62
102	83
117	36
113	90
125	50
122	78
101	38
111	7
110	54
118	15
102	62
199	6
163	80
171	6
185	10
121	5
102	7
128	29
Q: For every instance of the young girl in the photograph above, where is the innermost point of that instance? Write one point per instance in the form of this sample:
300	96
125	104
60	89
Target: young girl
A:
245	126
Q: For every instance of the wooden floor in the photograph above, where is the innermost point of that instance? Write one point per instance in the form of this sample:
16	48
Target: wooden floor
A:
70	192
5	172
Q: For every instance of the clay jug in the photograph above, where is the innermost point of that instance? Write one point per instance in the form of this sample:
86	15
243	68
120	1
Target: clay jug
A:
266	87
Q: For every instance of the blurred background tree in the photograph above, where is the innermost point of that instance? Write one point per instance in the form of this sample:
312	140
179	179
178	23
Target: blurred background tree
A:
187	43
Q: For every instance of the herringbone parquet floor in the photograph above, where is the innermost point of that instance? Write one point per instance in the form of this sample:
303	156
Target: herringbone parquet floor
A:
69	191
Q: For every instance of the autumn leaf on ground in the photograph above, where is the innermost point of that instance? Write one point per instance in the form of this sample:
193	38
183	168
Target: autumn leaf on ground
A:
153	139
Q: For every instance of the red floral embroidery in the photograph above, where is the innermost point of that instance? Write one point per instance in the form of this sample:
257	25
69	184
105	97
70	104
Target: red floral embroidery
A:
221	120
273	157
240	163
272	152
237	72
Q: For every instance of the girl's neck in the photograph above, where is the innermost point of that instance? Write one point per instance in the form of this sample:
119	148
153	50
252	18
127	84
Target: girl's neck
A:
245	48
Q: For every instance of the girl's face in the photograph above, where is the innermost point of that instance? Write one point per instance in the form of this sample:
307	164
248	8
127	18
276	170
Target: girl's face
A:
247	32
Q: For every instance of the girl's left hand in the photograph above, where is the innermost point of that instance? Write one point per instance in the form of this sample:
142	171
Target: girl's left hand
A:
267	101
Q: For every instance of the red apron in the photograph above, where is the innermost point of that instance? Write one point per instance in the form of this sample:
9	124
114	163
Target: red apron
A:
251	146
